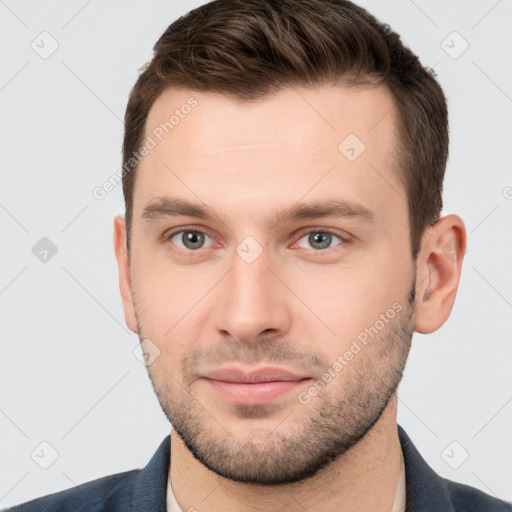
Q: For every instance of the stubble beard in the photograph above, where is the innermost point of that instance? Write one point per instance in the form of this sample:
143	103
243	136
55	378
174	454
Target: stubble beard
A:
334	421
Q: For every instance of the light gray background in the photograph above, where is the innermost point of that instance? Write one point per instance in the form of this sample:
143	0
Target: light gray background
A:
68	373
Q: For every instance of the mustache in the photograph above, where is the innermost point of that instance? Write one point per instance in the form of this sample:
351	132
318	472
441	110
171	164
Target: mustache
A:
265	350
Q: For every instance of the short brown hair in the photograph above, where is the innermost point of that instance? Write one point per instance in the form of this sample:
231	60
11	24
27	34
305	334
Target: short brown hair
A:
246	49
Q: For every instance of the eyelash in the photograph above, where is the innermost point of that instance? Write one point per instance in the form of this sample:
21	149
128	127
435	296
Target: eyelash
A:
344	239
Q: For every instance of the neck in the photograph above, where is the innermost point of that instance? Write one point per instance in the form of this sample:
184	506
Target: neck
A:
363	478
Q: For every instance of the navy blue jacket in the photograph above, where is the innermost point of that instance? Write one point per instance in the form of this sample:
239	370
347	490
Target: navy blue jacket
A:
145	490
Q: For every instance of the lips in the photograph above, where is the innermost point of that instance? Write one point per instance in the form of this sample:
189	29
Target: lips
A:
256	387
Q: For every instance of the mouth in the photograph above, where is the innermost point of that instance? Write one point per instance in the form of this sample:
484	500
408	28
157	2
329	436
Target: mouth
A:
257	387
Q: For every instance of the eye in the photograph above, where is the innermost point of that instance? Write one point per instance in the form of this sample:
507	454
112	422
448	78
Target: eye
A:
189	239
319	240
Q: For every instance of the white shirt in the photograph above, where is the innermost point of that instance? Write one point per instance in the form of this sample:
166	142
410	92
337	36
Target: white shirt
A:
398	505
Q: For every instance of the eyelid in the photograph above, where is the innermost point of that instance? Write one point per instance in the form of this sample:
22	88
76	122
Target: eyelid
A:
167	235
344	237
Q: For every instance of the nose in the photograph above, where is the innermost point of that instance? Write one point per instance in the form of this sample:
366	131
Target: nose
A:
252	302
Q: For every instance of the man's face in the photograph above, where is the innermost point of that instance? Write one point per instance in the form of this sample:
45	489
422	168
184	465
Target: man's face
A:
283	331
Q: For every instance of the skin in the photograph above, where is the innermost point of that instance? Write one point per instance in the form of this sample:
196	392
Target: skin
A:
295	306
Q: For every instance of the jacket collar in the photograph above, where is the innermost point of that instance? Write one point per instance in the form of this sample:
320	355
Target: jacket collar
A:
426	491
150	489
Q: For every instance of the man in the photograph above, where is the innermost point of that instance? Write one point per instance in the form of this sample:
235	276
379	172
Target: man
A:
282	171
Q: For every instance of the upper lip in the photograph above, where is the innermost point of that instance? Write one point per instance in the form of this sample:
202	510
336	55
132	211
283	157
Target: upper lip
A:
266	374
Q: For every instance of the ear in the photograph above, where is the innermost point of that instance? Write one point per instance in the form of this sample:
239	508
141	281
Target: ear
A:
439	266
125	282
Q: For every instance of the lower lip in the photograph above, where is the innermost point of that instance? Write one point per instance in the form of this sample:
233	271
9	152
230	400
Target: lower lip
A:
254	394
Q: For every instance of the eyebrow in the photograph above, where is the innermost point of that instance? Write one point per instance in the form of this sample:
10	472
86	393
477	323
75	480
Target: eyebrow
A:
163	207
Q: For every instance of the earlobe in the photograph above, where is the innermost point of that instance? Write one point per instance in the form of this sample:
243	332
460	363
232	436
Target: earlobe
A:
439	268
123	263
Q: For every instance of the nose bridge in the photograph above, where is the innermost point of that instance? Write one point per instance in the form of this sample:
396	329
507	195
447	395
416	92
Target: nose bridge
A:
251	300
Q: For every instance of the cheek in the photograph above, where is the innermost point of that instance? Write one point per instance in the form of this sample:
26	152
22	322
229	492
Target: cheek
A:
165	291
349	298
170	305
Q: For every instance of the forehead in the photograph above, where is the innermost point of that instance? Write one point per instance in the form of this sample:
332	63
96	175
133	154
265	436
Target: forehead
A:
295	142
315	118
